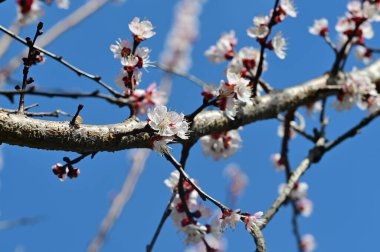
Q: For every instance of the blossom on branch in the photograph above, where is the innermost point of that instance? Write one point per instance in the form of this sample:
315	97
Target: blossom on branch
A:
141	30
224	48
260	27
320	27
278	45
168	123
221	145
308	243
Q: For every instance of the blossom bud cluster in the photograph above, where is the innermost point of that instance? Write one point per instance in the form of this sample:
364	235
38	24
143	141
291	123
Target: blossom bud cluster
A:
61	171
355	25
29	11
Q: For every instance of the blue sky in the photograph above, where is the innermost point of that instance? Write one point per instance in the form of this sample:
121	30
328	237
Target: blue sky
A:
343	186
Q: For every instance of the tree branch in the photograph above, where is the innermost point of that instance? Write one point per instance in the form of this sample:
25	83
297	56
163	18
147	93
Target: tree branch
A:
52	135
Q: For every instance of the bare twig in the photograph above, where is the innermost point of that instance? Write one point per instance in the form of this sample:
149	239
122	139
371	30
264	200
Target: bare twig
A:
77	70
165	215
185	75
28	62
314	156
186	177
121	102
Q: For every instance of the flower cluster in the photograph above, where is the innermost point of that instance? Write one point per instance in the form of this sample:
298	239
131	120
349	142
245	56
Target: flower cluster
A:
186	215
221	145
358	89
132	57
61	171
355	26
303	205
29	11
247	63
168	125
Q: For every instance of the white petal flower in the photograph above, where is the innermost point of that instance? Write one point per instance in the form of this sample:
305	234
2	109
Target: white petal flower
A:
143	54
277	162
221	145
308	243
288	7
320	27
229	219
304	206
122	49
279	45
123	80
255	219
260	27
223	49
172	181
141	30
168	123
363	53
195	233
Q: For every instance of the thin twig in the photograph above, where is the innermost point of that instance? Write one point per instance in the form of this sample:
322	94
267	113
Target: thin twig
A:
185	75
121	102
285	142
353	131
165	215
262	49
186	177
28	62
60	59
314	156
299	130
296	231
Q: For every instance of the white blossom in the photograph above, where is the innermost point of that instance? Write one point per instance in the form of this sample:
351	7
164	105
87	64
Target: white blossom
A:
279	45
121	49
255	219
221	145
320	27
168	123
229	219
141	30
288	7
223	49
304	206
308	243
260	27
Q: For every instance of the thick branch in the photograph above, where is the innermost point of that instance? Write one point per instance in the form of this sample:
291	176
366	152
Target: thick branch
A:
52	135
